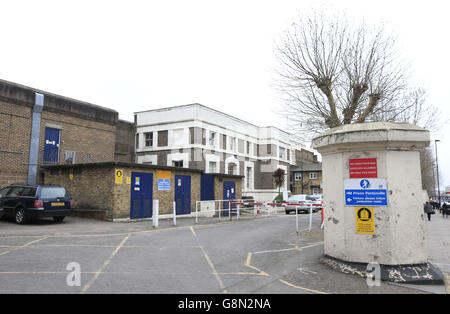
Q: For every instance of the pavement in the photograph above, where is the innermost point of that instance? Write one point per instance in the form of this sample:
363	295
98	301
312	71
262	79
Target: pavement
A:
262	255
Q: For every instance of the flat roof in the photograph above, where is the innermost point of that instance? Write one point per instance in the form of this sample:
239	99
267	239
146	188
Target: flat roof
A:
212	109
136	165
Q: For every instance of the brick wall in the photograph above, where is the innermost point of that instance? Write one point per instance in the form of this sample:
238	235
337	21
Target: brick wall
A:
15	130
92	141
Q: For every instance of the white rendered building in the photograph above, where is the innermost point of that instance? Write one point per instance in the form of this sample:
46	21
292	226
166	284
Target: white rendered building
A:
196	136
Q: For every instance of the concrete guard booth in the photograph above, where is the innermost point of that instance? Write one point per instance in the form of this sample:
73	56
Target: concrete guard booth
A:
373	201
117	191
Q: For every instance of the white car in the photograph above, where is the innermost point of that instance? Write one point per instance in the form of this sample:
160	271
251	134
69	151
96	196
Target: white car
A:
317	202
301	202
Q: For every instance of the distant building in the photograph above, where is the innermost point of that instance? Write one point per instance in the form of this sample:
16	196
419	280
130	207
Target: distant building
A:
198	137
39	128
307	179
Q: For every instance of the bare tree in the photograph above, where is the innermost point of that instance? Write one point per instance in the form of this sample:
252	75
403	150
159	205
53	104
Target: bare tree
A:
335	72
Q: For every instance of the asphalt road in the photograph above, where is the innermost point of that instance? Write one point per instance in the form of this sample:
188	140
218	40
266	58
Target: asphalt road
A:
253	255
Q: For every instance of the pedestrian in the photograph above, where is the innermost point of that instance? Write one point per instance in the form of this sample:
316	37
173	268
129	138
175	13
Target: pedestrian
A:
445	210
428	209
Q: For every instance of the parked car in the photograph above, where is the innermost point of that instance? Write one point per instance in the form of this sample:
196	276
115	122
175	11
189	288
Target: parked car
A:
247	200
25	202
300	202
317	202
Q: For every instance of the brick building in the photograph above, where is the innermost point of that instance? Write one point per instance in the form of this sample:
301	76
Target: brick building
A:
97	189
307	179
38	128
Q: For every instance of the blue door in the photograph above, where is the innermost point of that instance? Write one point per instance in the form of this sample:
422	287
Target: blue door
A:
207	187
182	194
141	195
51	146
229	193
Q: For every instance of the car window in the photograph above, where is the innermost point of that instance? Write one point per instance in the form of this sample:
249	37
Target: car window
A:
15	191
4	191
297	197
54	192
29	192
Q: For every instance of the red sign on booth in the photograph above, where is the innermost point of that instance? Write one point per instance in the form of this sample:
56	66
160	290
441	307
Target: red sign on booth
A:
363	168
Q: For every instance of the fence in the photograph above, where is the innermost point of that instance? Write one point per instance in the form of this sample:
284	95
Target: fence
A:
226	209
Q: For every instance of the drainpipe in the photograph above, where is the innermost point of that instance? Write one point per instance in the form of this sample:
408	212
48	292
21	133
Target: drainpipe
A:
34	140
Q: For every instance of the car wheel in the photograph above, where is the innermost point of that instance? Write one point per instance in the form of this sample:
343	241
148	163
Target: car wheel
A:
59	219
287	212
20	216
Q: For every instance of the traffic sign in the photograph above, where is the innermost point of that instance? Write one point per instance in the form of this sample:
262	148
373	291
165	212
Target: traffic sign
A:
363	168
365	192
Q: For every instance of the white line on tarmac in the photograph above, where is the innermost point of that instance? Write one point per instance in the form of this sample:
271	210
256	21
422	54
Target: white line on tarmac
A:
105	264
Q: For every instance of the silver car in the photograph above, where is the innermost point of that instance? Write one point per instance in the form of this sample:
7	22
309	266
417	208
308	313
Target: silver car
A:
301	202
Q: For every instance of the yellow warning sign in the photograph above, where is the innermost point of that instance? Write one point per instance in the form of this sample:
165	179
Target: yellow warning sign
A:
163	174
365	222
128	180
119	176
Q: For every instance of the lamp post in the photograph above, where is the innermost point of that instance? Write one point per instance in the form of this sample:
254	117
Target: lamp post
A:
437	173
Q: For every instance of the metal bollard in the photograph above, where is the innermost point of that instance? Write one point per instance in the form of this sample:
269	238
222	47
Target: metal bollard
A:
155	213
174	214
296	219
310	217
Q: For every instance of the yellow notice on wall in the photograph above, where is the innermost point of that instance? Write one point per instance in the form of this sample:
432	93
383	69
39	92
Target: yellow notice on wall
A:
128	180
163	174
119	176
365	222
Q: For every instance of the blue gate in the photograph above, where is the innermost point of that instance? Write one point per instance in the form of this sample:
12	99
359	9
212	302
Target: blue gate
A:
207	187
182	194
51	146
229	193
141	195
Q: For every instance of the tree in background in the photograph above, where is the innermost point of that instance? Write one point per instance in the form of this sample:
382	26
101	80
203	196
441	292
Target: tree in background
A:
335	72
279	176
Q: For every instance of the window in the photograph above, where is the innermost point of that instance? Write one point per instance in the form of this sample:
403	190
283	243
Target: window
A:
54	192
29	192
212	167
249	177
248	148
191	135
282	153
137	140
269	149
177	163
148	139
212	139
69	157
163	138
231	168
313	176
298	176
315	191
203	137
232	144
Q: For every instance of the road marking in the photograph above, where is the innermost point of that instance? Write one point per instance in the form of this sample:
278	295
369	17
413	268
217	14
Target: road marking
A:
248	264
105	264
290	249
25	245
210	263
302	288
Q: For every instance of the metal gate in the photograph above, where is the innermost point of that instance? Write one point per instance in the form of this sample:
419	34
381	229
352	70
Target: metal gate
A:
141	195
182	194
207	187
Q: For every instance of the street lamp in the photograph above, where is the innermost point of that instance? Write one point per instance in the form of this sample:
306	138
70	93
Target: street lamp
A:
437	173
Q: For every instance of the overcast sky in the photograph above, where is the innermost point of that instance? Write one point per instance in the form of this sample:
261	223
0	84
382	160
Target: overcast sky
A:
138	55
